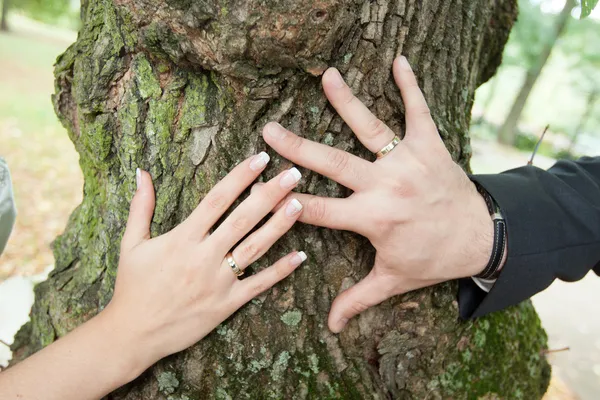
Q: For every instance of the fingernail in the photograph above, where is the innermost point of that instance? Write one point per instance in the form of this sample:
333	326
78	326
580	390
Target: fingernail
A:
298	258
290	178
404	63
293	208
336	78
138	178
259	161
275	130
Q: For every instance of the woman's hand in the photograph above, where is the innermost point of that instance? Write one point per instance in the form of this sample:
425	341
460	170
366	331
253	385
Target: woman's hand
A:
171	290
417	207
174	289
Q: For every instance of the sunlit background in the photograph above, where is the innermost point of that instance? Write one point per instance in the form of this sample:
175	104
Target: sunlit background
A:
564	96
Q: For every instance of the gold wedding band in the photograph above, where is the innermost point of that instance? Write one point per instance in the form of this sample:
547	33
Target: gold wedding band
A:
390	146
234	267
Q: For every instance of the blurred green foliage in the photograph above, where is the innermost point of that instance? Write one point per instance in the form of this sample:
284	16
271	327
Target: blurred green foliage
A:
529	35
587	6
563	97
56	12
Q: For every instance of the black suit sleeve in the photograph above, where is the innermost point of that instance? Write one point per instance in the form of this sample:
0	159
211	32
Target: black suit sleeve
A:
553	231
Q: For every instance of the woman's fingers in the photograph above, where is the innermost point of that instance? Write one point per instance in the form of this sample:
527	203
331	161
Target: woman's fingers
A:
257	244
222	196
418	116
369	129
253	209
247	289
345	168
140	212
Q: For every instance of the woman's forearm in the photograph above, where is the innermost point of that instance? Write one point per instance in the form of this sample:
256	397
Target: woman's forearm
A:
170	291
88	363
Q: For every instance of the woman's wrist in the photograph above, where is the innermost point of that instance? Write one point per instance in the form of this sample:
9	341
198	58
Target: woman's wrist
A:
123	347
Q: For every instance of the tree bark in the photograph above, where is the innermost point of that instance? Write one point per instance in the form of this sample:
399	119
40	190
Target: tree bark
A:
508	131
4	16
183	88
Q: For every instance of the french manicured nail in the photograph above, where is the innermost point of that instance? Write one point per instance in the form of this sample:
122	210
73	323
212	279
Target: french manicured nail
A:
276	131
404	63
138	178
298	258
259	161
293	208
336	78
290	178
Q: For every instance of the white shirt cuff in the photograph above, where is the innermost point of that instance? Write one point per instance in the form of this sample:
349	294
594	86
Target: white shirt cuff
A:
484	284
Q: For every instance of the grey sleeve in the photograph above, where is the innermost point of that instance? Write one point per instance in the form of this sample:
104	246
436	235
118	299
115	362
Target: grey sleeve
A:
8	211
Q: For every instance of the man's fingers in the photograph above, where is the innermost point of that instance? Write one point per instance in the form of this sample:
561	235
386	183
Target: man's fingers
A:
418	117
140	212
345	168
247	289
328	212
358	298
370	130
222	196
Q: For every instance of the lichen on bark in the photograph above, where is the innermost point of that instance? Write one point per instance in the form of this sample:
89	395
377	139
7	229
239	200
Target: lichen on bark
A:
182	89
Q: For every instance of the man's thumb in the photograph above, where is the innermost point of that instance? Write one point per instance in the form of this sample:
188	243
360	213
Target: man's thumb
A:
358	298
140	212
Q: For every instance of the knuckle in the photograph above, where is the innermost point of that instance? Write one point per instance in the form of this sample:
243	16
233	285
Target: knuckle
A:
240	224
412	83
258	288
348	97
249	252
421	110
216	202
376	127
317	209
424	110
337	160
281	270
271	194
358	307
296	143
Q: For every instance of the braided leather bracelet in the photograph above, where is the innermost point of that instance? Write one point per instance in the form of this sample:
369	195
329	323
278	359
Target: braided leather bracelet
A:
492	269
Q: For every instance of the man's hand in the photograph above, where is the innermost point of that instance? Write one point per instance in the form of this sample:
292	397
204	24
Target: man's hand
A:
418	208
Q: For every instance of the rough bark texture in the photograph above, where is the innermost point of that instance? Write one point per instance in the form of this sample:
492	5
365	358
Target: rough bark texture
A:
183	88
508	131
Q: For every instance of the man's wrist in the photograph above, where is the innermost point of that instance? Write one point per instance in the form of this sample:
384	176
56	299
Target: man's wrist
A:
490	236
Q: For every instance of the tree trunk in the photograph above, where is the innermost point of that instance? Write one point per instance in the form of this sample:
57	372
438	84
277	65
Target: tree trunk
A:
590	103
183	88
508	131
4	16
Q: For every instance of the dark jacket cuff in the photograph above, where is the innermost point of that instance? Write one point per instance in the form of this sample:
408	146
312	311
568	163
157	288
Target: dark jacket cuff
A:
552	231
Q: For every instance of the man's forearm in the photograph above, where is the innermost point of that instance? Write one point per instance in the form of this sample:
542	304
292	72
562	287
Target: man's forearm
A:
88	363
553	231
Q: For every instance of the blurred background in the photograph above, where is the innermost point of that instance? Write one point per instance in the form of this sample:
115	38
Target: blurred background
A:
550	77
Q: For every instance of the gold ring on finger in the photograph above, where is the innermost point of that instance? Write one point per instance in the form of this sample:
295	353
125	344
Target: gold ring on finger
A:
234	267
389	147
